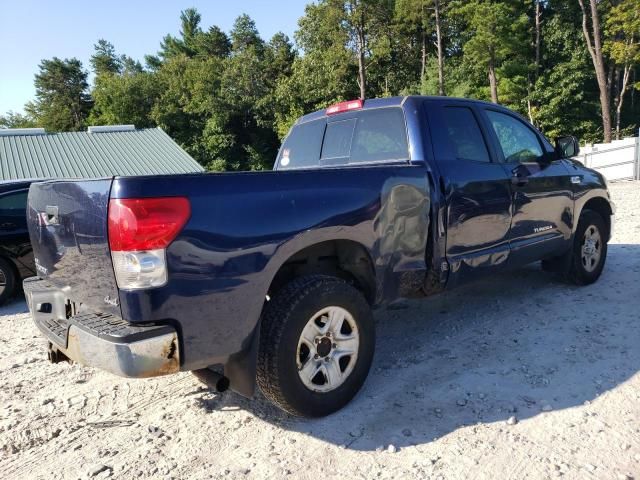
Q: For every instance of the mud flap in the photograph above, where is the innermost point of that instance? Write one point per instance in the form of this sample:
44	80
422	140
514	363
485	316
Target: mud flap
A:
241	367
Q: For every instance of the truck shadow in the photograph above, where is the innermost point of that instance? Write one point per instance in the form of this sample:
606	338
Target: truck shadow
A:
517	344
15	305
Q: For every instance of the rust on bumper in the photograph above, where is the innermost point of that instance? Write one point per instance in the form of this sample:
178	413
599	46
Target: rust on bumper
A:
101	340
150	357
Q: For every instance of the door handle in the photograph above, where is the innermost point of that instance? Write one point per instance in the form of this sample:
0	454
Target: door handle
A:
7	225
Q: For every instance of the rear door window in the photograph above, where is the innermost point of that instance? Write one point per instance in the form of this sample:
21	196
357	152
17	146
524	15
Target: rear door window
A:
464	135
375	135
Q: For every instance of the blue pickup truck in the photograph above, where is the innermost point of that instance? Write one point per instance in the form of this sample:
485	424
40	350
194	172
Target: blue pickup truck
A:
274	275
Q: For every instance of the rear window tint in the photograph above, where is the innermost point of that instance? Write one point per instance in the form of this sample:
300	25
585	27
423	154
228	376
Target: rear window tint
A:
380	135
464	135
369	136
337	140
302	146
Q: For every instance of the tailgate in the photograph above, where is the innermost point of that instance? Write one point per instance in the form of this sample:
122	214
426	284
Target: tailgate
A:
68	228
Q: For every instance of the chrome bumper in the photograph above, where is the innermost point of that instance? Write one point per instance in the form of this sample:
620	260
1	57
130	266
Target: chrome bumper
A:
99	340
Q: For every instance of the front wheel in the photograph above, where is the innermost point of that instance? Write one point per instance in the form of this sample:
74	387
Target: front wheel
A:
316	346
589	250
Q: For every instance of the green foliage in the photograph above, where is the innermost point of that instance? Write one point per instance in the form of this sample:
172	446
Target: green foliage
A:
126	98
62	102
16	120
566	93
230	97
105	60
623	32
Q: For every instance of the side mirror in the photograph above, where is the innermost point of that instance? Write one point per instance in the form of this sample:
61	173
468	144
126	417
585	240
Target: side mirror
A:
567	146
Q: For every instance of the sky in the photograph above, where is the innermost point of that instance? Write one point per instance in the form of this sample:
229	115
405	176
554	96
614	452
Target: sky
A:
32	30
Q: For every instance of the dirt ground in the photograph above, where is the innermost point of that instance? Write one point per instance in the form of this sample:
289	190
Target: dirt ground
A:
449	373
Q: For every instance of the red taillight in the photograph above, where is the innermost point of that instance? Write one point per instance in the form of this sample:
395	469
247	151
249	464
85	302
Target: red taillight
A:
137	224
344	107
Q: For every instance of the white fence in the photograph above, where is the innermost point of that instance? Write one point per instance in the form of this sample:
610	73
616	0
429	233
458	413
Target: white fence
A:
617	160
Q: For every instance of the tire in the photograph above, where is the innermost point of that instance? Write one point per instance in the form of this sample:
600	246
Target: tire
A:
8	280
581	267
293	346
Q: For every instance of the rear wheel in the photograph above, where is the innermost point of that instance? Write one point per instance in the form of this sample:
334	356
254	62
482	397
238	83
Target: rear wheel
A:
316	346
7	280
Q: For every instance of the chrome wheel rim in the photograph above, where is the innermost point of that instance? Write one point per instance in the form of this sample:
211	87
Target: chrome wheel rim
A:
591	250
3	282
327	349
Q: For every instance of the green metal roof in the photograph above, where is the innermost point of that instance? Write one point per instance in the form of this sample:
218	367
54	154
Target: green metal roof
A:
34	154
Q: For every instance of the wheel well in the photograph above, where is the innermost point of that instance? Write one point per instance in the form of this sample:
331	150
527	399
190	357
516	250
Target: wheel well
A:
339	258
601	206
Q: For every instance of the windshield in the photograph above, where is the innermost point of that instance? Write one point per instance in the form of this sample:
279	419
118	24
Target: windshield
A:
375	135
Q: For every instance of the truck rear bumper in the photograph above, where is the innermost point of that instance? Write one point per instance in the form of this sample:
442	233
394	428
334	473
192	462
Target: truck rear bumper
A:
101	340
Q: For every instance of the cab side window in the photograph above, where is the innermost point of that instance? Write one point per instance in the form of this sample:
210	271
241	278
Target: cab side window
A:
464	135
518	142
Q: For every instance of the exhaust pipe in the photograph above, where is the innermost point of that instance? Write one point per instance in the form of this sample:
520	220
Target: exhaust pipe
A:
212	379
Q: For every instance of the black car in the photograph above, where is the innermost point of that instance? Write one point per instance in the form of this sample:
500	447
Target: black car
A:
16	255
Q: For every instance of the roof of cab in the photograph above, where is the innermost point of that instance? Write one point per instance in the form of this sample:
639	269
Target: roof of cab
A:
387	102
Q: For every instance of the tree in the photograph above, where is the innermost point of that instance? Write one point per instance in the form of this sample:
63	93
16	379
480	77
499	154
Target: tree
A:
240	128
364	20
491	39
229	97
126	98
623	46
565	94
593	40
16	120
62	102
213	43
244	35
413	26
423	20
187	97
437	8
326	73
189	32
104	60
537	37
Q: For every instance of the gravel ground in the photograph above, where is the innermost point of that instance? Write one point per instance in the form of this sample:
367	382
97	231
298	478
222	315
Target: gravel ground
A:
519	376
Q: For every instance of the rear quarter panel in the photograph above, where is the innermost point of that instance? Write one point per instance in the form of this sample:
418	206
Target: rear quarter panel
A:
244	226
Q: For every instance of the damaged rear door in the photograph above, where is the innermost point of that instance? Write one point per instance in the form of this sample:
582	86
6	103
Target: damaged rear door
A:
476	189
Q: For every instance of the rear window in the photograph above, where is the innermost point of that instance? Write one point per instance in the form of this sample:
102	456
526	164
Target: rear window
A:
366	136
